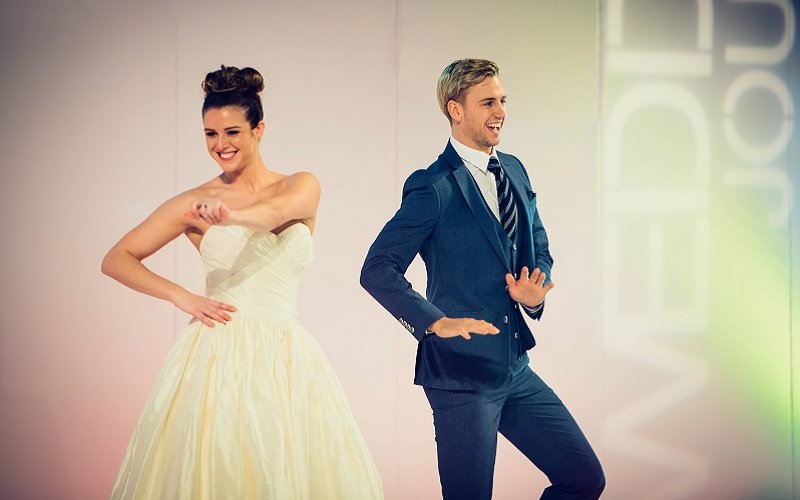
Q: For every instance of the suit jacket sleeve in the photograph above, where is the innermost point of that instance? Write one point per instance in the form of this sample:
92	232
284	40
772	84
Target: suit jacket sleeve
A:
544	261
383	273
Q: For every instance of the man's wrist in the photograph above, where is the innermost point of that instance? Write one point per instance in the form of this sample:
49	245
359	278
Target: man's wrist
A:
431	330
533	309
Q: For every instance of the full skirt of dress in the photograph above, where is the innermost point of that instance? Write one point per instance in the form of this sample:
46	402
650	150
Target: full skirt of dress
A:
247	410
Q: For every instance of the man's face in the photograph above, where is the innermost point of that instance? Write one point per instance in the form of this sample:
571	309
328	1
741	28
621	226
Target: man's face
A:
478	121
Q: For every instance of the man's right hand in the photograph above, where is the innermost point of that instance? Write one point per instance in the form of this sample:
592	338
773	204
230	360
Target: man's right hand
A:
462	327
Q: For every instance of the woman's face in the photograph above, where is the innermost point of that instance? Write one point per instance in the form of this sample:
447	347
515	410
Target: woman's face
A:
230	140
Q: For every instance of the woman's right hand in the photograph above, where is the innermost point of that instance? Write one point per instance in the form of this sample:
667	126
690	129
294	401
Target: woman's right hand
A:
211	210
204	309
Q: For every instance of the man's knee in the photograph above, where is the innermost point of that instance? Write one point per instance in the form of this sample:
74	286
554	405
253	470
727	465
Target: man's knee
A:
585	481
591	481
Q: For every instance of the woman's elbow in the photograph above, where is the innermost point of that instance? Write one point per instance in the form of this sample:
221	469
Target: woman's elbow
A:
106	264
110	264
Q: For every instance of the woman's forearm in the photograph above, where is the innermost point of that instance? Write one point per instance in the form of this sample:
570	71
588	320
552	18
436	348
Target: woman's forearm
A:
128	270
260	216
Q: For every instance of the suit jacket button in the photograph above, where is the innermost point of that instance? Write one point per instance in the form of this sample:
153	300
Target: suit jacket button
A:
505	319
514	246
516	335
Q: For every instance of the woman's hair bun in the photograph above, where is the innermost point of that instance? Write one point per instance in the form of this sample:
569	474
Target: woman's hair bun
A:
233	79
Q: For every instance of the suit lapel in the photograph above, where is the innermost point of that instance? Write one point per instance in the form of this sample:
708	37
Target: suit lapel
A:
486	221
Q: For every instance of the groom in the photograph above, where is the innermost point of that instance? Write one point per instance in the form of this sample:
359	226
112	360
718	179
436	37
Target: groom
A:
472	217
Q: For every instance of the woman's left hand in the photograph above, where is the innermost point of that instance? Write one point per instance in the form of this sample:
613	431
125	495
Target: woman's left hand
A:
211	210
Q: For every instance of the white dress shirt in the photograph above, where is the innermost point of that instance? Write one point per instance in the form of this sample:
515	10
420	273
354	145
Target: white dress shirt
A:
477	162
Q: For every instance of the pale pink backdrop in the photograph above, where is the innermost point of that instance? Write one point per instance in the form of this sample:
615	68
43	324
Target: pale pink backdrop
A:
101	123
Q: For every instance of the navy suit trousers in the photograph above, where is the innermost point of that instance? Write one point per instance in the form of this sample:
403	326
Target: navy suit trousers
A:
530	415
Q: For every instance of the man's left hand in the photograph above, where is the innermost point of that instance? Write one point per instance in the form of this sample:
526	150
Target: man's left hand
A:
528	290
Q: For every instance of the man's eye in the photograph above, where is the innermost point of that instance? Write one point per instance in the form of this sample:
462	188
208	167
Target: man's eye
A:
233	132
211	134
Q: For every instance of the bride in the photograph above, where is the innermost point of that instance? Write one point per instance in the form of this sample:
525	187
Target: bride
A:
246	405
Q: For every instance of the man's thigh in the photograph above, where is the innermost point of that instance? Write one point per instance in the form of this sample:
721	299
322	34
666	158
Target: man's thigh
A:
537	423
466	424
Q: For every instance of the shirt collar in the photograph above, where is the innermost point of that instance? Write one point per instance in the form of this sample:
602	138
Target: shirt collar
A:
479	159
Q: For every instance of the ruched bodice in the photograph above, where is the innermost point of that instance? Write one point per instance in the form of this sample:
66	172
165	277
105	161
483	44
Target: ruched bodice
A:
257	272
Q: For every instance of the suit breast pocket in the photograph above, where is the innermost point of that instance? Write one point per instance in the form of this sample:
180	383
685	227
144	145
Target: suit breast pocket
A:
531	205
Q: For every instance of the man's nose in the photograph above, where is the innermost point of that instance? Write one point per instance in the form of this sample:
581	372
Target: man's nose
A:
500	111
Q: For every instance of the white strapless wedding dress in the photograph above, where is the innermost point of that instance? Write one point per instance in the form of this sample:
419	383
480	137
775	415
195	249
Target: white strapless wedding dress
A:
251	409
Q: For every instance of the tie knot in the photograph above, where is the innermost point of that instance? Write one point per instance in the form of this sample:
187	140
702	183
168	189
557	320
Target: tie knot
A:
494	164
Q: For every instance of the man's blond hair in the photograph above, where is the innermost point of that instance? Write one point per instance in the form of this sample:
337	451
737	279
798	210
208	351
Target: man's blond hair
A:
459	76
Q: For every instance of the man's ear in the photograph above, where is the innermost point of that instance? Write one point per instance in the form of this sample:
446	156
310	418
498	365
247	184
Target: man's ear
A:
455	110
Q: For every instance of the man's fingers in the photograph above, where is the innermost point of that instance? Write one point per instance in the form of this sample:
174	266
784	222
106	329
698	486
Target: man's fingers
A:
536	276
482	327
464	327
491	329
510	281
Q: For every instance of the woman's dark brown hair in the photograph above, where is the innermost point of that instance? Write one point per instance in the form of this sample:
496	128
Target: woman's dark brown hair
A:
231	86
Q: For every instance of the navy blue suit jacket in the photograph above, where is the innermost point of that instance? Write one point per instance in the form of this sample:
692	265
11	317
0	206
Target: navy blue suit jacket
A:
444	218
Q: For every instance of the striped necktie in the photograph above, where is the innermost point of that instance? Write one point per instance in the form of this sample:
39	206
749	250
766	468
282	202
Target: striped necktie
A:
505	198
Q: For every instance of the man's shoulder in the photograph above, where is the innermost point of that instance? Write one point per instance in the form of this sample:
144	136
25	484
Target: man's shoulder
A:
435	173
432	176
508	159
512	164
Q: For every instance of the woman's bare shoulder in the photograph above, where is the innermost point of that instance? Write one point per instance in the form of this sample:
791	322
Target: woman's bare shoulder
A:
303	176
209	189
303	180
